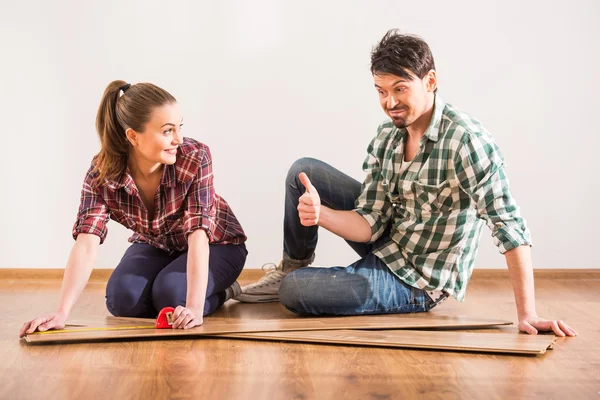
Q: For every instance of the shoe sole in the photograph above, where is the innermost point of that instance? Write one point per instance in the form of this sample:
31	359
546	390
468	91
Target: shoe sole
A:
253	299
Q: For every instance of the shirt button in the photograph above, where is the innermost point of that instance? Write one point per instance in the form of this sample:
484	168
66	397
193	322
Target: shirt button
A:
499	225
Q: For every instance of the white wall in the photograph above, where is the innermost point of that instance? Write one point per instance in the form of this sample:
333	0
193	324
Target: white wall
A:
264	82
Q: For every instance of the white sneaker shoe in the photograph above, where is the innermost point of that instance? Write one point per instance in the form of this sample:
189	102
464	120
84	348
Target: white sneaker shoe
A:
267	288
233	290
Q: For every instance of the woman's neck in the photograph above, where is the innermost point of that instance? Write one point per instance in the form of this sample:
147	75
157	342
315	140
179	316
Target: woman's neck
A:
143	169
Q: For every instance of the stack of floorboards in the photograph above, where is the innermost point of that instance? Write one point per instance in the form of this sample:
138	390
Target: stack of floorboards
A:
419	331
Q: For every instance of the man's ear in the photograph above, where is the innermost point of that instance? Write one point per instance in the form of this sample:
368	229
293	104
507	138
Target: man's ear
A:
431	80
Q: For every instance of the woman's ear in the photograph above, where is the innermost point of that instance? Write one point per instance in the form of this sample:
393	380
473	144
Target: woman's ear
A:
132	136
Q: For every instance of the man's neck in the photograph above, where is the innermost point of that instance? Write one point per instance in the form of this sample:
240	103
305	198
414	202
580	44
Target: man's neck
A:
417	129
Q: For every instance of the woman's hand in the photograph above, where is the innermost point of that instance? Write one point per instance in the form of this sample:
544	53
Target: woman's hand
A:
43	323
186	318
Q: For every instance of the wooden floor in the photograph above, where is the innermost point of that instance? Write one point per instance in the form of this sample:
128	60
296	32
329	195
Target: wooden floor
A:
240	369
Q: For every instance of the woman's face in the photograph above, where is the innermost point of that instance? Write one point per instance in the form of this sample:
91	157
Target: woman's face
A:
162	135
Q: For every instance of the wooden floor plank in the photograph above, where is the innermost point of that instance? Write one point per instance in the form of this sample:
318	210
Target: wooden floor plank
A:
504	343
117	329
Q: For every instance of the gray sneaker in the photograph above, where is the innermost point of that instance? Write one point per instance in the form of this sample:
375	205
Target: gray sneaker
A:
267	288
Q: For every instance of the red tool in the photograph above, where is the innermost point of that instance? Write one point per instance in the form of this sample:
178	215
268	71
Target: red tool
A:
165	318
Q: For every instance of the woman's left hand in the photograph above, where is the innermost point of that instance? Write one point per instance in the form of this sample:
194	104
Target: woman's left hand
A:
186	318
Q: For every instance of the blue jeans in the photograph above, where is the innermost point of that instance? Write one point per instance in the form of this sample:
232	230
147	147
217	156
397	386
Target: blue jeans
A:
148	279
364	287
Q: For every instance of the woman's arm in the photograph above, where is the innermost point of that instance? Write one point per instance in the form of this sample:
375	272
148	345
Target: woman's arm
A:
197	281
77	273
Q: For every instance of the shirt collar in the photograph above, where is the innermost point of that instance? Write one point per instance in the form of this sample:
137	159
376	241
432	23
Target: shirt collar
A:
433	130
126	181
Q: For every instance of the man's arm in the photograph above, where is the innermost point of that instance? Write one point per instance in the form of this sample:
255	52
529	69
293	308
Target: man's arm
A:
373	204
520	270
480	172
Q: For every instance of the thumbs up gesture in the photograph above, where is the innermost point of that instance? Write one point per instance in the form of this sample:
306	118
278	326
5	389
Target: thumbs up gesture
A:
309	205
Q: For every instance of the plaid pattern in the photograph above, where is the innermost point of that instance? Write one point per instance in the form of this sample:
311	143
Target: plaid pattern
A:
186	201
438	205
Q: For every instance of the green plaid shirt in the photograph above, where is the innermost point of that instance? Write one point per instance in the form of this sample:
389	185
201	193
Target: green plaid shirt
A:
437	206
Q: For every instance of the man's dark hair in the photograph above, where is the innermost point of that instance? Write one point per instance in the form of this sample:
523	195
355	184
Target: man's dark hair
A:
397	53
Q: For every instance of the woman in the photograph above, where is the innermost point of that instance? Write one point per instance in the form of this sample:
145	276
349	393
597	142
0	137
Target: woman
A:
188	247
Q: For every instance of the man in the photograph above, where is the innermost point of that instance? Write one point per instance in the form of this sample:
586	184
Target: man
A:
434	176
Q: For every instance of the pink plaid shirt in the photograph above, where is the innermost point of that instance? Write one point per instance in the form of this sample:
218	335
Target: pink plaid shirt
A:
186	201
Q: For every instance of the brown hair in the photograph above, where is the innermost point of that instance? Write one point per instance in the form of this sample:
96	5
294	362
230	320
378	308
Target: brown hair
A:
399	54
116	114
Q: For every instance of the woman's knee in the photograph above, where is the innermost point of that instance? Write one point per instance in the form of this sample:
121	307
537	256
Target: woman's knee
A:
169	290
124	299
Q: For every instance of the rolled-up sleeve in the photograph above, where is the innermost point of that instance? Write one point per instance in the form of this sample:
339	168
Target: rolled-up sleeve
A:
480	172
373	203
201	209
93	214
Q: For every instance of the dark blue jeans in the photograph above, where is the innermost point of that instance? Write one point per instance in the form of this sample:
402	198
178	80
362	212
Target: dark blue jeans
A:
366	286
148	279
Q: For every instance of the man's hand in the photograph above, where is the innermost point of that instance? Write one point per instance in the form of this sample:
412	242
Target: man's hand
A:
309	206
533	324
